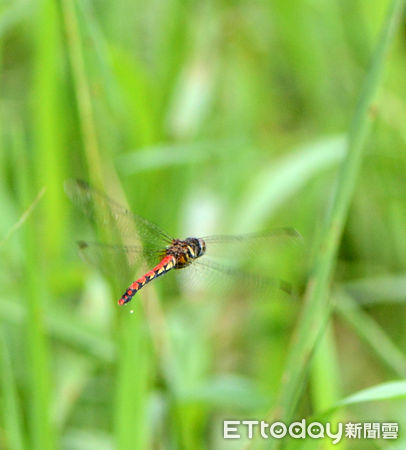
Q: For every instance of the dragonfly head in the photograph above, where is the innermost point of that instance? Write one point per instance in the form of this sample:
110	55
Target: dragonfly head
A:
202	247
198	246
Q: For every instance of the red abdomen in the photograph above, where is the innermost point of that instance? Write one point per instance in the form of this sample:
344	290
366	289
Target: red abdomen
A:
167	263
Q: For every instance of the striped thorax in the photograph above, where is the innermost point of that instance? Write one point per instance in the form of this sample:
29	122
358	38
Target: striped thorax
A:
186	251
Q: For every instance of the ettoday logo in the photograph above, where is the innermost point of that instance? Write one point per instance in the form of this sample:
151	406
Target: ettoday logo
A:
278	430
313	430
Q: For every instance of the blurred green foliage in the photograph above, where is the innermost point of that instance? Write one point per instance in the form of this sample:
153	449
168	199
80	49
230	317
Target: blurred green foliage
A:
204	117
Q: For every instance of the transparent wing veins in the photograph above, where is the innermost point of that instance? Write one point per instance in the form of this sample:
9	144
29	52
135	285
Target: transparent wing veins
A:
105	212
248	278
286	232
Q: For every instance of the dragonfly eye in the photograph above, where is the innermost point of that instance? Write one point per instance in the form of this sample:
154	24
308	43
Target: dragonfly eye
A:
202	247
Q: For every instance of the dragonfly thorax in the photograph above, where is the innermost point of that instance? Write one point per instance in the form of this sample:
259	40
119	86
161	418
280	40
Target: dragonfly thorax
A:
186	251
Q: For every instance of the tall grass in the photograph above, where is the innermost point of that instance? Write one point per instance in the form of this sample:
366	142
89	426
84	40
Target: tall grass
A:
315	314
206	118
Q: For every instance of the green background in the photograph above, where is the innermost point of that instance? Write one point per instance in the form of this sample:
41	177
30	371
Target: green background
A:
205	117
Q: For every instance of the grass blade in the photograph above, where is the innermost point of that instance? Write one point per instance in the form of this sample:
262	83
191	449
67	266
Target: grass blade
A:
35	338
372	334
385	391
81	86
11	413
316	308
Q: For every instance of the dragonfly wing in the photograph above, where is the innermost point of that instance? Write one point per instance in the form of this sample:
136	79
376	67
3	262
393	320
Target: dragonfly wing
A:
117	260
246	280
250	244
285	233
110	216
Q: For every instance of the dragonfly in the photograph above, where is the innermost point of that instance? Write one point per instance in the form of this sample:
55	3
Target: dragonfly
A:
158	247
